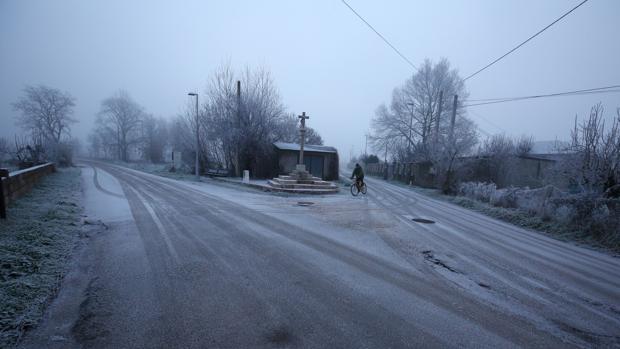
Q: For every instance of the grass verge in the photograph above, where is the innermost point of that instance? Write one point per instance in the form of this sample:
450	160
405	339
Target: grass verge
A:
36	242
519	218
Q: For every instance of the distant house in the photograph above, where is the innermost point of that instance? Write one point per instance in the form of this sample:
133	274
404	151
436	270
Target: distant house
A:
321	161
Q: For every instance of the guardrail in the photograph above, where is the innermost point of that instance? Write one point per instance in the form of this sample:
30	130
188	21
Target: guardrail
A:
17	183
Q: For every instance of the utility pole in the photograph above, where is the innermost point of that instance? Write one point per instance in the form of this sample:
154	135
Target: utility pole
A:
237	160
197	162
438	117
366	147
385	173
452	121
197	165
410	129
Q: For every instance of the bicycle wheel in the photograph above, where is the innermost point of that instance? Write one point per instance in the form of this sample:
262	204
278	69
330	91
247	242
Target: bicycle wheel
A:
364	189
354	189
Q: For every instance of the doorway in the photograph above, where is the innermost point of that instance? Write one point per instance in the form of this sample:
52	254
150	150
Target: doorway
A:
314	165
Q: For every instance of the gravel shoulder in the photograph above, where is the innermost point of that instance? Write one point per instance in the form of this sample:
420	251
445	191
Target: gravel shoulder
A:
36	242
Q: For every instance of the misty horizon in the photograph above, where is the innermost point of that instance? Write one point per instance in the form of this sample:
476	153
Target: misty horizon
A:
323	60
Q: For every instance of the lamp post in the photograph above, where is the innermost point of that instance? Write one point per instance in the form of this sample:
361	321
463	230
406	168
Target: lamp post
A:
197	136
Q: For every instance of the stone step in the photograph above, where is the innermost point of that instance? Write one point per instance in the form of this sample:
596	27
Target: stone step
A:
305	191
295	185
293	181
310	178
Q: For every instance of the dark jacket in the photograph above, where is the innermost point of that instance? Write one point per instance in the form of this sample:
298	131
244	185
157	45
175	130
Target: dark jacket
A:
358	172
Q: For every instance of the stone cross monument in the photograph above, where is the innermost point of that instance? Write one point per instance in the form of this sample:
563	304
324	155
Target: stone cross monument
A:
302	136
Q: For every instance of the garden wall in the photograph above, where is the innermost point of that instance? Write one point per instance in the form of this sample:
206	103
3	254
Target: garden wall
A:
20	182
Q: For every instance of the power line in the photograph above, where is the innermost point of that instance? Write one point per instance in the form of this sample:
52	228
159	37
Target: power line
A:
524	42
381	36
551	94
597	90
487	121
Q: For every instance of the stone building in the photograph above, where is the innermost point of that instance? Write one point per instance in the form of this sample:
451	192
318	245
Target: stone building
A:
321	161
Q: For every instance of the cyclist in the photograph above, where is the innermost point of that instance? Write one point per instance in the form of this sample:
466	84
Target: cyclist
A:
358	173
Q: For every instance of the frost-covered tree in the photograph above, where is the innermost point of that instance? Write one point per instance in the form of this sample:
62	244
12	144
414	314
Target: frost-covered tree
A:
411	128
46	112
121	117
154	136
242	127
499	151
410	121
592	160
448	152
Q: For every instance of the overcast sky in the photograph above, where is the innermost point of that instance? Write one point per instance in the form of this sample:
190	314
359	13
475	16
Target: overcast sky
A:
325	61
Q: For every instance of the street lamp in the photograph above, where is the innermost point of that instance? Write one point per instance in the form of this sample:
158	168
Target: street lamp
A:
197	136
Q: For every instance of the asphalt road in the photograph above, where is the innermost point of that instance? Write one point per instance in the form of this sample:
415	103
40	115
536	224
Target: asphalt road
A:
184	265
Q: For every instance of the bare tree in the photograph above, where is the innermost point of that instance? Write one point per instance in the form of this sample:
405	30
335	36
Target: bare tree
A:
243	127
499	151
46	112
412	117
524	145
448	154
154	138
592	160
288	131
122	117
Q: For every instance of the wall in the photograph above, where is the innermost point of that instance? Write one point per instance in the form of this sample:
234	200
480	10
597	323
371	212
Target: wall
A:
527	171
288	159
20	182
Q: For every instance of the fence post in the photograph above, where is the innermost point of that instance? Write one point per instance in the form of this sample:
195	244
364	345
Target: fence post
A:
3	173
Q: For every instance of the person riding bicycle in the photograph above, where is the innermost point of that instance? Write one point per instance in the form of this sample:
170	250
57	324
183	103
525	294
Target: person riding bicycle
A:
358	173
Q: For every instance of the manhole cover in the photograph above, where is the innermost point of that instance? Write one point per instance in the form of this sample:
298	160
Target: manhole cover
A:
305	203
422	220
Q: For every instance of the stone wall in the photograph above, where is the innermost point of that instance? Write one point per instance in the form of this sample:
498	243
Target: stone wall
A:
20	182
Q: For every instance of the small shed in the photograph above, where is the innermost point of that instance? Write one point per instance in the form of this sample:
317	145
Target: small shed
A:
321	161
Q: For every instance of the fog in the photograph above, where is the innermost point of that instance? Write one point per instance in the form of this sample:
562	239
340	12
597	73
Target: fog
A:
324	60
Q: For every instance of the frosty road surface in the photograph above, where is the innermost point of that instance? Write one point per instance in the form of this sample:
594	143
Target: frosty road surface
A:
210	265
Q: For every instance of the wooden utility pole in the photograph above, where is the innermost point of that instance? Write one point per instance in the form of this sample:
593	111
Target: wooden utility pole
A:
239	135
302	136
197	162
453	120
385	173
438	117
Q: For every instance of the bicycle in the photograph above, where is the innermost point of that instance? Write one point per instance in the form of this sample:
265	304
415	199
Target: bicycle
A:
356	188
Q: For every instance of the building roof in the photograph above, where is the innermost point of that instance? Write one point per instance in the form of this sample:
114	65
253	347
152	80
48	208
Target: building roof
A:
307	147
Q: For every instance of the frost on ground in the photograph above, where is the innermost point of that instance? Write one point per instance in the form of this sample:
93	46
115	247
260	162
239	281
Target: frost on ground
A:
35	242
587	219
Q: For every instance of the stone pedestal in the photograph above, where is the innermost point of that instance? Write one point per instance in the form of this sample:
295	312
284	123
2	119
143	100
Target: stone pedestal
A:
300	173
302	182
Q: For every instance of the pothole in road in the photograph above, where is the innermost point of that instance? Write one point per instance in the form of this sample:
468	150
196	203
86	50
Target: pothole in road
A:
423	220
305	203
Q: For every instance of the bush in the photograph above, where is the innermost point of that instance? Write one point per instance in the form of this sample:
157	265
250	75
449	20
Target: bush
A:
594	216
477	191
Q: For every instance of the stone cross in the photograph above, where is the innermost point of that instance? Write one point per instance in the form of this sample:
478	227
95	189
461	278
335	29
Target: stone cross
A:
302	136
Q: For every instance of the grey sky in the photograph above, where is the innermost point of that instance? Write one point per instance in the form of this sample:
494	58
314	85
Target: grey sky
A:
325	61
